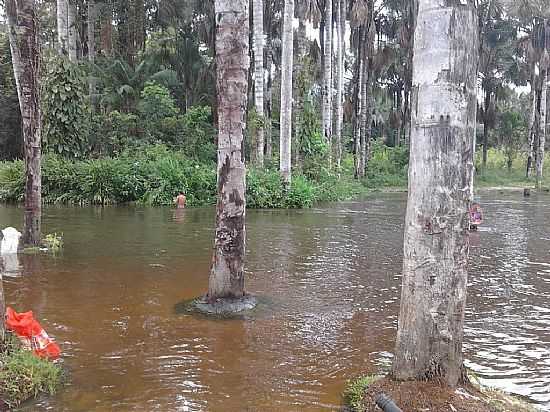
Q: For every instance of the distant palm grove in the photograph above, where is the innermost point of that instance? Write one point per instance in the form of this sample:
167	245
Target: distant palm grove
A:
127	93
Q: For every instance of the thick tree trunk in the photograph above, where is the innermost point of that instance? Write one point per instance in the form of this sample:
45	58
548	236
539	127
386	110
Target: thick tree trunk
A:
327	76
232	65
62	27
259	78
71	23
23	35
286	93
436	242
542	123
341	22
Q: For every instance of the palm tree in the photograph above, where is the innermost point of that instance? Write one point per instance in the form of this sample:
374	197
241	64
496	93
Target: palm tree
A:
62	27
23	35
327	75
72	30
232	64
341	24
435	264
286	93
259	77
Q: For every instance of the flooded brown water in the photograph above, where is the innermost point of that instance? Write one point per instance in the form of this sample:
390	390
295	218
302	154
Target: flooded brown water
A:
328	279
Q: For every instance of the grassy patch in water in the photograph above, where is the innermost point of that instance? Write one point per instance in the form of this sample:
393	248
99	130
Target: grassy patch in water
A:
355	391
23	375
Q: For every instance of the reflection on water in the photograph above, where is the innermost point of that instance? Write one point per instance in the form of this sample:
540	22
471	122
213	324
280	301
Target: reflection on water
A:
329	279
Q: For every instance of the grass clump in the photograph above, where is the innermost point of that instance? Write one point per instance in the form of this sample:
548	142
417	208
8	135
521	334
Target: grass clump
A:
355	392
23	375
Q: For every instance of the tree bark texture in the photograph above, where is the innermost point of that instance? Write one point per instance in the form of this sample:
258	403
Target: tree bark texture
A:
107	29
232	65
542	121
358	114
285	145
341	24
436	242
259	78
533	127
269	99
363	117
62	27
72	30
327	76
23	35
92	15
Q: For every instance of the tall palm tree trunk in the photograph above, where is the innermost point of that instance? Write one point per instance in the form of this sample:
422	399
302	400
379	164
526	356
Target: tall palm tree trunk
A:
341	24
533	126
92	15
357	132
436	242
62	27
25	51
542	122
72	29
232	64
327	77
259	78
269	99
285	146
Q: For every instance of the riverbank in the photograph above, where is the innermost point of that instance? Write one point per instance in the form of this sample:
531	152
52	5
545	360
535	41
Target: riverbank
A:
23	375
361	396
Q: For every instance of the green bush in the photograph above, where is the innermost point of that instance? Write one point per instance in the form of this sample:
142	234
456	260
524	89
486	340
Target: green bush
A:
355	392
388	166
12	181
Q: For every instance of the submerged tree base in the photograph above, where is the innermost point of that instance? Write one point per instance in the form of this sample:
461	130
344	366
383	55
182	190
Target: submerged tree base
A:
220	308
412	396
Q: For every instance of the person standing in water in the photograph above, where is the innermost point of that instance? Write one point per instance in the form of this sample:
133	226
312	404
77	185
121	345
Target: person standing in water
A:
180	201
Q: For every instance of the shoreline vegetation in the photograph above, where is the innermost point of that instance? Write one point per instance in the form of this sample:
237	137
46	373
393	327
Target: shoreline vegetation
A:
24	376
154	174
361	393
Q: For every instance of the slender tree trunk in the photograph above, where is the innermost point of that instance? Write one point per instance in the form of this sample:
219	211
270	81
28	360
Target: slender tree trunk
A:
62	27
327	77
232	65
436	243
25	52
341	24
359	114
269	99
486	122
71	22
542	123
91	46
107	30
286	93
259	78
533	127
363	118
300	86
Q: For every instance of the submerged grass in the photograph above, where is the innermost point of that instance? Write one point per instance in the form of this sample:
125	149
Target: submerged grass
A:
23	375
355	392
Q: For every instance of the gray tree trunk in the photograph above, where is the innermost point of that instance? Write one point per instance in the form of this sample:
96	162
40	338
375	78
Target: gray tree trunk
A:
533	127
259	77
341	24
62	27
269	99
23	35
357	129
363	118
327	76
71	23
542	123
92	16
285	146
232	65
436	242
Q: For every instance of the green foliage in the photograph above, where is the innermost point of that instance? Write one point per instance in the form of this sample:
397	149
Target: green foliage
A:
355	391
12	181
388	166
64	110
512	132
156	103
23	375
198	135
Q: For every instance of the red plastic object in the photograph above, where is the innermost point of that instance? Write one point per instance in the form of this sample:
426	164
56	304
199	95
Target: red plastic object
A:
31	334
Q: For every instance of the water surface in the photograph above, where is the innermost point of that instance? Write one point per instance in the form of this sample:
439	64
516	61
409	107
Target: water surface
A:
328	279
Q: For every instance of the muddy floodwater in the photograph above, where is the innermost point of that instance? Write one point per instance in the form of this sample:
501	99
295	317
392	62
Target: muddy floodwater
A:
328	281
